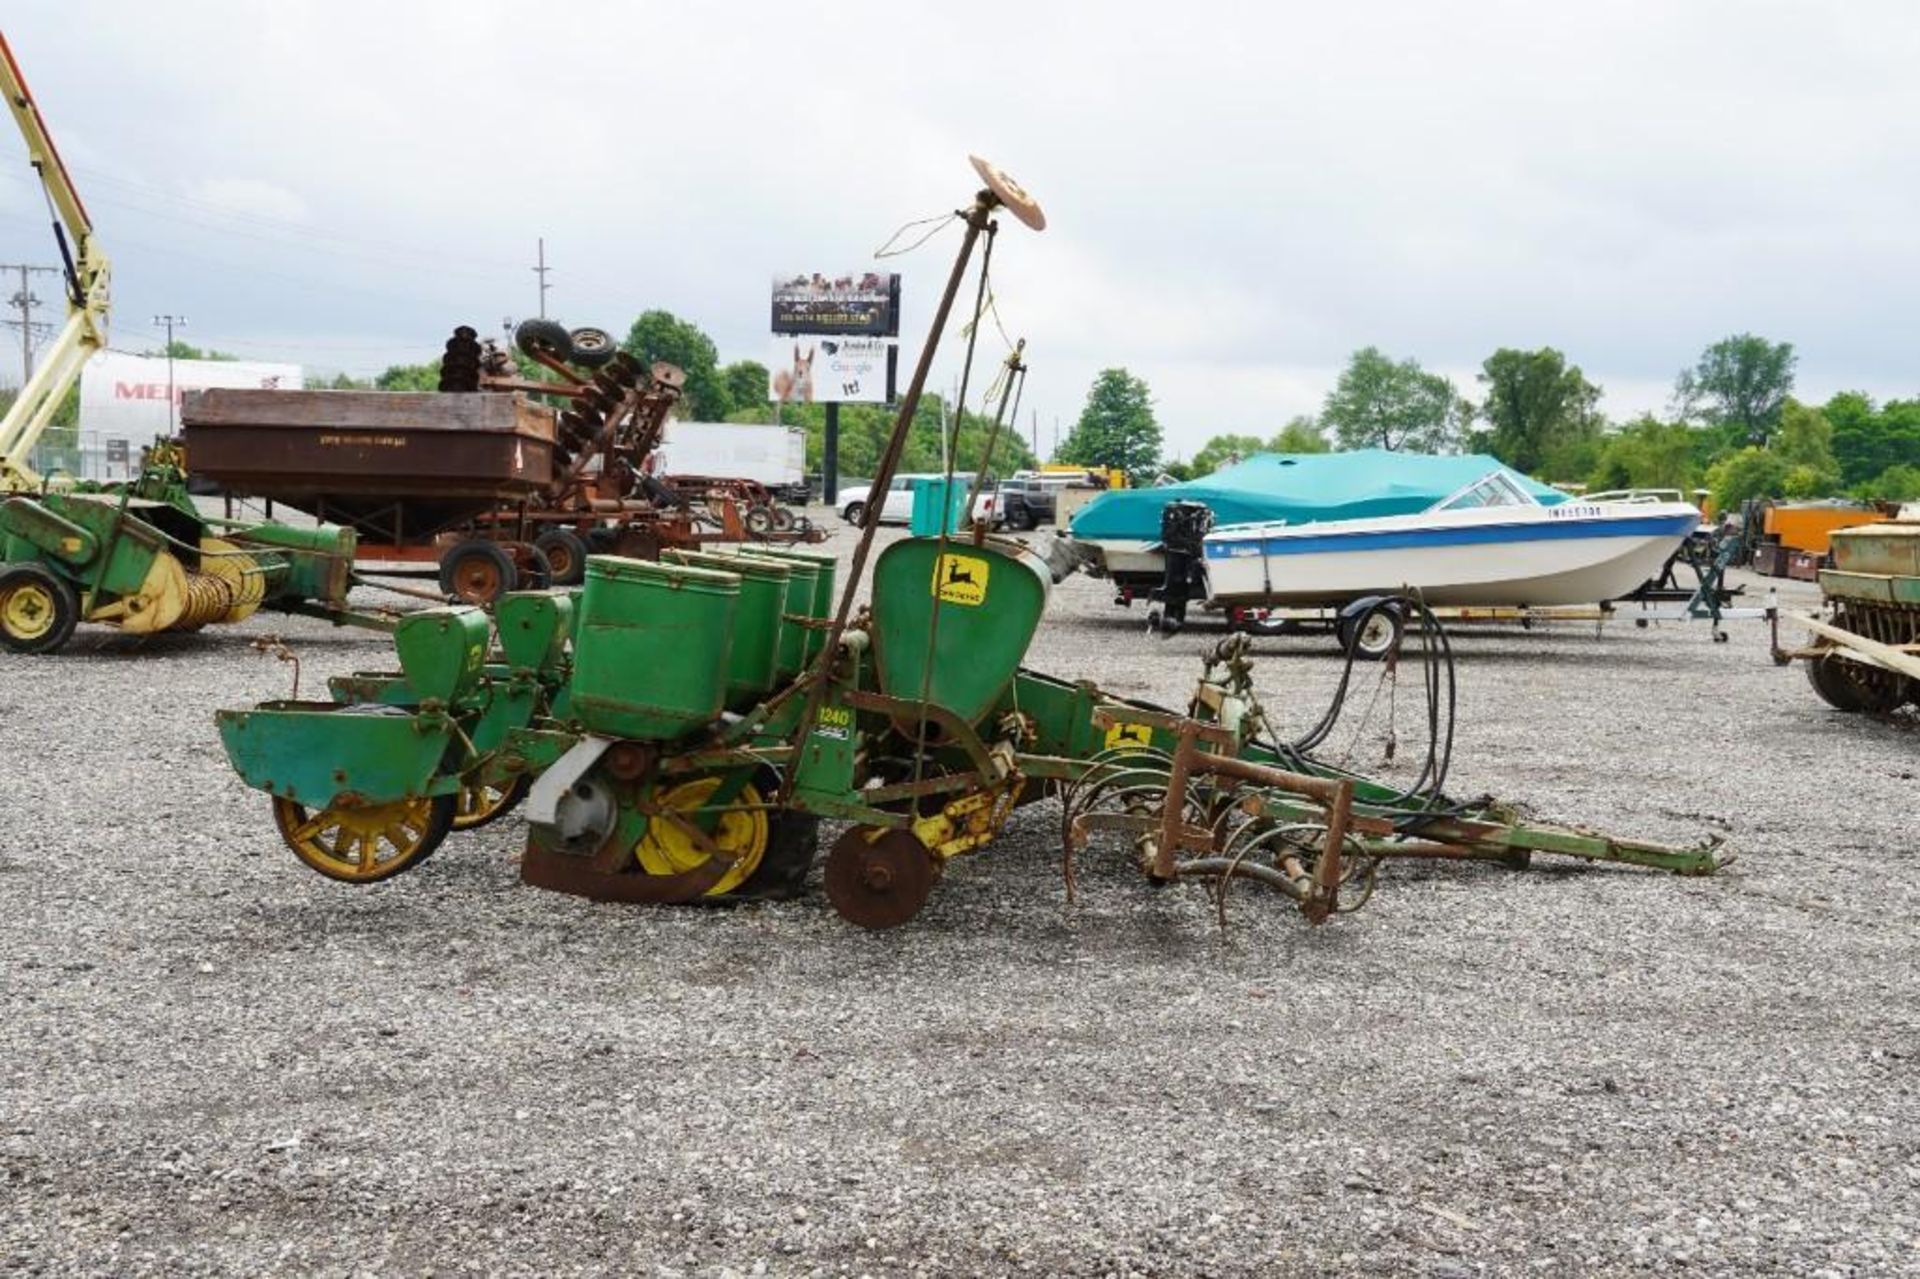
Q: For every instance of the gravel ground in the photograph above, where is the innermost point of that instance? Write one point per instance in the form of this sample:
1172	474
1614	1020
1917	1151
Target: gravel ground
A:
212	1060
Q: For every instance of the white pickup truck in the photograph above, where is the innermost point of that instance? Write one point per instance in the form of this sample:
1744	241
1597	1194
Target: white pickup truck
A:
898	508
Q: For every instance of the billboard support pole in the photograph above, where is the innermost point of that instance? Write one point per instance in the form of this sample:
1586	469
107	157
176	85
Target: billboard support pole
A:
830	456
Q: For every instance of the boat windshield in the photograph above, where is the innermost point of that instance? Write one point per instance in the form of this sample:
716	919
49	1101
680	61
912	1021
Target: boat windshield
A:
1497	489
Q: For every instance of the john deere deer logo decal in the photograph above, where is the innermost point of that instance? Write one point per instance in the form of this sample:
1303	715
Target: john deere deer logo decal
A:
961	579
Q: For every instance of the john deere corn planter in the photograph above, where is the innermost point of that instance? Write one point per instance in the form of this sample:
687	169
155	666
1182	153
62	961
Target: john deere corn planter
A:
140	557
669	757
710	710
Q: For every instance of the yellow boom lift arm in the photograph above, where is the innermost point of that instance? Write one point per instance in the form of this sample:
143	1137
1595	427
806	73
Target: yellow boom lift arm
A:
87	276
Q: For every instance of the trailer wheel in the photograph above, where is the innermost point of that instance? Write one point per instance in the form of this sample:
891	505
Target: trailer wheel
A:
478	571
545	337
592	348
759	520
566	555
38	610
1372	634
783	519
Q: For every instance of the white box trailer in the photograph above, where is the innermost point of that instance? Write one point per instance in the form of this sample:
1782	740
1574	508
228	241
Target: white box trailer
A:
773	455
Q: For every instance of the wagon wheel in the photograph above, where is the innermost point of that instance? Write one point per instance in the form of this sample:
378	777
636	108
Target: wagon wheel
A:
38	610
365	843
478	571
592	348
483	803
566	555
544	336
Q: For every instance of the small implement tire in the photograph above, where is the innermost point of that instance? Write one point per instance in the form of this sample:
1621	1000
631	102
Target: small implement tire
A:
566	555
364	844
481	804
592	348
38	609
544	337
478	572
760	520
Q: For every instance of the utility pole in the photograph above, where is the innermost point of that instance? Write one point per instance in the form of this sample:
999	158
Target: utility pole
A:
173	405
540	269
25	302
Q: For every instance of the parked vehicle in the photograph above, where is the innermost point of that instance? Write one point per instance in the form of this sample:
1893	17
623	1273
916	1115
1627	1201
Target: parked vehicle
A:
770	455
898	507
1030	499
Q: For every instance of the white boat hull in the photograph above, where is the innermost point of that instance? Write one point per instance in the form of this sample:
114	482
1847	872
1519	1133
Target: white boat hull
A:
1574	553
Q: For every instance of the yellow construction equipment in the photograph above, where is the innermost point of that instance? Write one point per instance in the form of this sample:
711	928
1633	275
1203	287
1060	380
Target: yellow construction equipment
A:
87	276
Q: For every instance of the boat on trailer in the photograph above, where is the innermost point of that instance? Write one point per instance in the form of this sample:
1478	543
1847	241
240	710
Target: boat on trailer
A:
1492	542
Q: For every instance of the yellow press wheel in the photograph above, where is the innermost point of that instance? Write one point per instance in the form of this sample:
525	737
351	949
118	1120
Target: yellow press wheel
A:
364	843
669	848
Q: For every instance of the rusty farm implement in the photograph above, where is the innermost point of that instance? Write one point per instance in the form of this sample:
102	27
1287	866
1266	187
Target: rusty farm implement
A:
677	730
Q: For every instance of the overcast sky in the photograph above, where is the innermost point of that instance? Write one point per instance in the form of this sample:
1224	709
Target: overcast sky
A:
1239	196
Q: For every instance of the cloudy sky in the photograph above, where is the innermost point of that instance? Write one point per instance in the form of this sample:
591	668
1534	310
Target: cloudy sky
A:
1239	195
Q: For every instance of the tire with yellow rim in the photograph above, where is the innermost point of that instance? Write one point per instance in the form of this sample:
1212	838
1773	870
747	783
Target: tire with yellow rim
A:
38	610
772	850
365	843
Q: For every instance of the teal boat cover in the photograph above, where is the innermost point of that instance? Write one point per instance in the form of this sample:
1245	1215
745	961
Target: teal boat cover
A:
1301	488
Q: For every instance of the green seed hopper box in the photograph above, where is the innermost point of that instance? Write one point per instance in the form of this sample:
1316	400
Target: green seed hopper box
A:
442	651
534	627
824	596
654	640
758	625
990	597
795	641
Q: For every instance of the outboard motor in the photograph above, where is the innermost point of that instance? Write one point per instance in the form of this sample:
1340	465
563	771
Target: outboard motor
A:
1183	529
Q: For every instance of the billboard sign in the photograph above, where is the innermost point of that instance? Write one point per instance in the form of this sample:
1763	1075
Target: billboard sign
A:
865	304
125	396
844	370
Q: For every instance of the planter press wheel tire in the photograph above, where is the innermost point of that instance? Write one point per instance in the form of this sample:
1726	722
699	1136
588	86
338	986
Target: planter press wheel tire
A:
783	520
478	571
760	520
548	337
879	878
482	804
566	555
38	610
1372	635
1841	690
854	513
592	347
772	851
365	843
